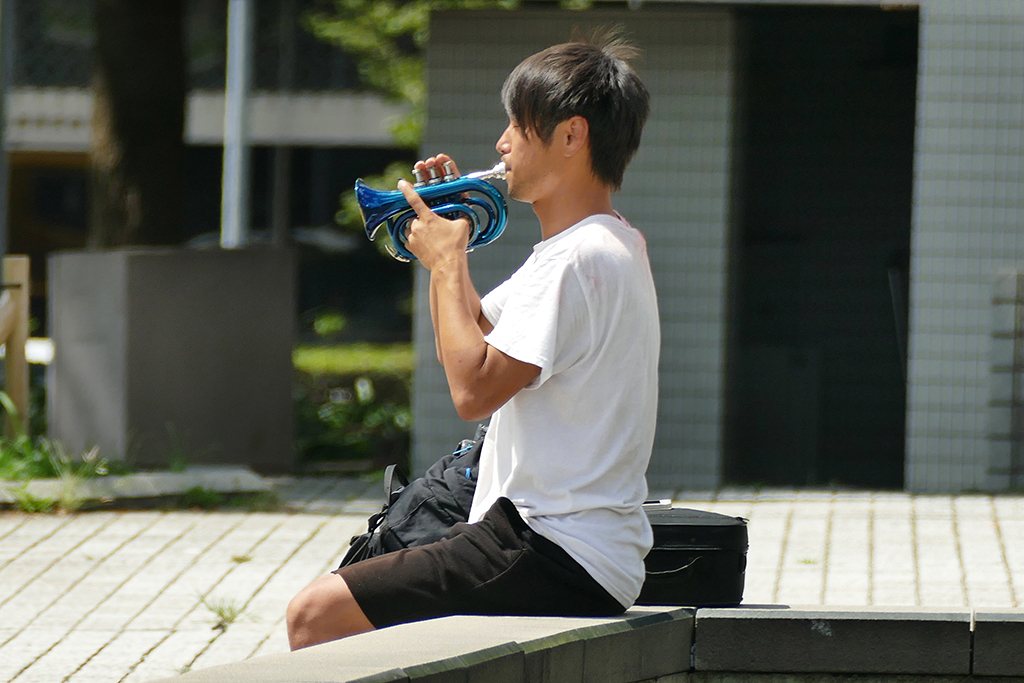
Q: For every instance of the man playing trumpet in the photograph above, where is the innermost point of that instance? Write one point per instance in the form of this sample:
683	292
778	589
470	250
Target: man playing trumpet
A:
562	357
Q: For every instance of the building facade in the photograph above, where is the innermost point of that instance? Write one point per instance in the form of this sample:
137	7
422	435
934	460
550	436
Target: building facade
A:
830	195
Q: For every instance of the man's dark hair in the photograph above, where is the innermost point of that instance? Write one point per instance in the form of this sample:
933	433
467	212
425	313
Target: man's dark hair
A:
588	78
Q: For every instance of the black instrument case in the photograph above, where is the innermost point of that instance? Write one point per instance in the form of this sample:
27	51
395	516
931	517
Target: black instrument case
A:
699	558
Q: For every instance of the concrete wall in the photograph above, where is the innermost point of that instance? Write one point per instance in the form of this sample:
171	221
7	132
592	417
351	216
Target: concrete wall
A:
676	192
968	212
165	350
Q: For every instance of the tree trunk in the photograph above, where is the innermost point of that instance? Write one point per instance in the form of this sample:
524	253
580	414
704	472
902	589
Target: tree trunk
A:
137	151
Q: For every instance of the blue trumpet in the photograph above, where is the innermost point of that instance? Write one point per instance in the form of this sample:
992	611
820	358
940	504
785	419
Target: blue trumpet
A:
446	196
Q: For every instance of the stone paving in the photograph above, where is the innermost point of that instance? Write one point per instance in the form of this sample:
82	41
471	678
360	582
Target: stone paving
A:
135	596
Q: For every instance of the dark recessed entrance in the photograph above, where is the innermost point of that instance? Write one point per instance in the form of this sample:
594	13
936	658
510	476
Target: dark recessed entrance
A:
824	157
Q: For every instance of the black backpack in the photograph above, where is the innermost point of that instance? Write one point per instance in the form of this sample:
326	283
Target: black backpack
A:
425	510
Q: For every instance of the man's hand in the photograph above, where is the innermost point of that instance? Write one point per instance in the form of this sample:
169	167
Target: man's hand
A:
431	238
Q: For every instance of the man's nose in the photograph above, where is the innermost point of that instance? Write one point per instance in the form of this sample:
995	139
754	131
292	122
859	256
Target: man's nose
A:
501	146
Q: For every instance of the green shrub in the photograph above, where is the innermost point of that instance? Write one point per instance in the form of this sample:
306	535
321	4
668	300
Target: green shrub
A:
24	457
352	403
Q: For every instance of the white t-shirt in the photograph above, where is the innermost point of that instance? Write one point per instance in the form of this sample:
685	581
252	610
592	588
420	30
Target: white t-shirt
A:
571	449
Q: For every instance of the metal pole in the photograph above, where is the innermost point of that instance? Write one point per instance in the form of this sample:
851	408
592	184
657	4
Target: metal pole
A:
234	210
6	73
280	230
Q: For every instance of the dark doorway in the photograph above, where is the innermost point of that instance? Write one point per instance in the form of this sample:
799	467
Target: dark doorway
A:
824	171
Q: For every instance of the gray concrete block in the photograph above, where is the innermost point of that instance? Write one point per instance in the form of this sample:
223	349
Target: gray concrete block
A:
158	351
834	640
556	658
500	664
611	653
998	635
666	642
648	642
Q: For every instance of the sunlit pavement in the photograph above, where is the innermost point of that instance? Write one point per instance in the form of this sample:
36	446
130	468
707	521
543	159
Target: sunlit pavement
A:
108	596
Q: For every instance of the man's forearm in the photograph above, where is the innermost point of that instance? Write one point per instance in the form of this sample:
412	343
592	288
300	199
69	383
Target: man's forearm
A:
472	300
457	310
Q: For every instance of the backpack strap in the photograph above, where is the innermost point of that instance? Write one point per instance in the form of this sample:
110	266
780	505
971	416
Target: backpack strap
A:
391	491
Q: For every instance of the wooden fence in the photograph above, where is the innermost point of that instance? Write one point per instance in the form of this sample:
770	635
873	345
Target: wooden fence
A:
14	316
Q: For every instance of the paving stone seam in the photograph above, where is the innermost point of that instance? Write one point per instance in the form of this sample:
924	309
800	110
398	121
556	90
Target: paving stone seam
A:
39	540
325	568
782	553
827	549
54	562
914	550
174	627
73	585
156	594
184	569
23	520
261	586
303	509
97	605
1002	551
959	551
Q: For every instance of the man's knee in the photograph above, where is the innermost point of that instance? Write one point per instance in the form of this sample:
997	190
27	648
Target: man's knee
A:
322	611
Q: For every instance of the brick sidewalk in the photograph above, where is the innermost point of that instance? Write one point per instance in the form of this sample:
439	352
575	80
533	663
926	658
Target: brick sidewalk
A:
109	596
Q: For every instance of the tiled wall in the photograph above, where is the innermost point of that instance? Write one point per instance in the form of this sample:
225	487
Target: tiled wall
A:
675	191
1006	388
968	216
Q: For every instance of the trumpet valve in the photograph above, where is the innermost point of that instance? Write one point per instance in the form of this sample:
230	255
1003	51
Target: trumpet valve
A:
418	176
449	174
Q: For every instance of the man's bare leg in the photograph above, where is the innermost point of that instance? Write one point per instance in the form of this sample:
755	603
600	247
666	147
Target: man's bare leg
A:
322	611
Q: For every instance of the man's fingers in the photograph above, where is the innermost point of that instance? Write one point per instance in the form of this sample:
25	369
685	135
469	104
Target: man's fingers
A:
442	159
415	201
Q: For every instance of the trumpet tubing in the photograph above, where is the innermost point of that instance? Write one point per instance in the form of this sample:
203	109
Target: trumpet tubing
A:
469	196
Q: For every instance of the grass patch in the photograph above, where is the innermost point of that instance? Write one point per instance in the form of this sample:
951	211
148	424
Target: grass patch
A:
225	610
261	501
200	498
355	358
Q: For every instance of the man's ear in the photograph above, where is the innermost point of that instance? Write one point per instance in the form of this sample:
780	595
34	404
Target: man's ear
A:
576	135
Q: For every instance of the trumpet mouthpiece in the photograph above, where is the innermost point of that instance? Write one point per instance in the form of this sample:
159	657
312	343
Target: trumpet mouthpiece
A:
498	171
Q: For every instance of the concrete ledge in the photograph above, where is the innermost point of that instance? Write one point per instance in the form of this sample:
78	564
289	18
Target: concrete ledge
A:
858	640
644	643
999	643
750	644
140	486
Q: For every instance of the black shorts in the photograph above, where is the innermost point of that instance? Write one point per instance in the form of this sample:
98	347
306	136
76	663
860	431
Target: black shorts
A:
496	566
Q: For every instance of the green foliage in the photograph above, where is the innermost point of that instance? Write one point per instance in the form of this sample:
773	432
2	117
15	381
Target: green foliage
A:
201	498
23	457
349	216
180	452
262	501
352	403
387	37
350	423
27	502
393	359
329	323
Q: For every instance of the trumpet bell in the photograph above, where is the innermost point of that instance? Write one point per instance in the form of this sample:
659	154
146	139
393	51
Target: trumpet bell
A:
470	197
